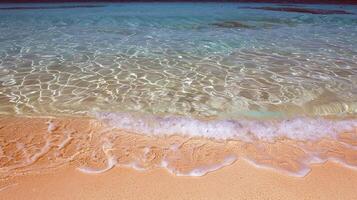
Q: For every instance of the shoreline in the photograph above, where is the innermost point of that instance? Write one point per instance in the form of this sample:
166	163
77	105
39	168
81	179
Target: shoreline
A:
39	156
237	181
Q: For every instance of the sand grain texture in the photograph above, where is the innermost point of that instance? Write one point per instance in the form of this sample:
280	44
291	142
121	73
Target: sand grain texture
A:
40	158
239	181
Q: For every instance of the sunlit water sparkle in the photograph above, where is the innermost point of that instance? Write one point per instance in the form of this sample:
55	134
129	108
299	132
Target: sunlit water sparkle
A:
175	59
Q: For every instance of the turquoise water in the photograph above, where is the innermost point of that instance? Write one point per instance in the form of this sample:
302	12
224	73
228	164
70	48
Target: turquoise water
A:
192	59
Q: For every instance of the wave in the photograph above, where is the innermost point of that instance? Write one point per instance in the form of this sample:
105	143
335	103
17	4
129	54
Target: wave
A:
299	128
183	146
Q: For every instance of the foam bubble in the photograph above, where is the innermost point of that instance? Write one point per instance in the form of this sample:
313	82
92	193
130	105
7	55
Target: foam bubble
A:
200	171
65	142
111	162
304	170
302	128
135	166
32	148
111	159
51	127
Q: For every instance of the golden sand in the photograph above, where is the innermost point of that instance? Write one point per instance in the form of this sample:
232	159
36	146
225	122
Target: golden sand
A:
44	158
238	181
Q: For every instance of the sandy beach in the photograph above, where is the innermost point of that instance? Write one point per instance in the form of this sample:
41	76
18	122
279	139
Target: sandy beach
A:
55	169
178	100
238	181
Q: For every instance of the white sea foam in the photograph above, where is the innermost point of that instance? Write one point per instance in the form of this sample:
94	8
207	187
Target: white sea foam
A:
302	128
200	170
135	166
111	162
51	126
206	169
304	170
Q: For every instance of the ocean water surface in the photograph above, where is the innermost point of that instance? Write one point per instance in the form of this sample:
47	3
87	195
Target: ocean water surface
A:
218	70
201	60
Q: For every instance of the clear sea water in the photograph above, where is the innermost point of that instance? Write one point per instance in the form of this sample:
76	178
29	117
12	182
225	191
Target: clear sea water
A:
205	60
280	86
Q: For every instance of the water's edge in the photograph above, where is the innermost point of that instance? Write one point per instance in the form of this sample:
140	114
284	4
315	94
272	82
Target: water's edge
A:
35	144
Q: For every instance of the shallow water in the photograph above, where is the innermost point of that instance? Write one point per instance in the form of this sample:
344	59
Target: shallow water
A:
177	58
278	89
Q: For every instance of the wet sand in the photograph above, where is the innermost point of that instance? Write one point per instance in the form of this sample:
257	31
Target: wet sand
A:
238	181
44	158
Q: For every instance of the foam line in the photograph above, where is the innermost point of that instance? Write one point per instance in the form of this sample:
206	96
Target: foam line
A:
206	169
305	170
111	162
301	128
